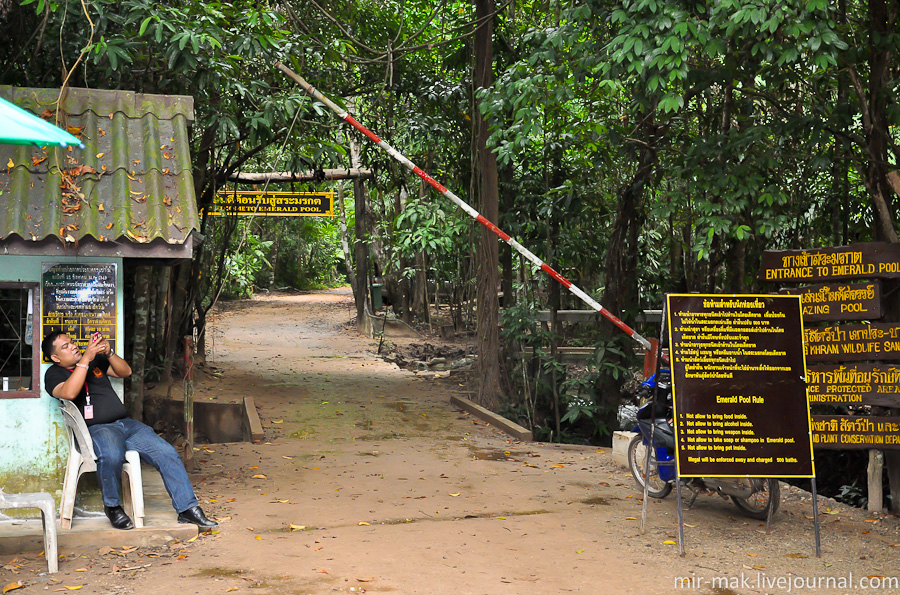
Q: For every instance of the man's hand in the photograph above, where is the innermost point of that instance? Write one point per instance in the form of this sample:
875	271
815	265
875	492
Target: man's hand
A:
96	345
105	347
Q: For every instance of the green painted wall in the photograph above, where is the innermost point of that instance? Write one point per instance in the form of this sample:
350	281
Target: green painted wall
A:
33	443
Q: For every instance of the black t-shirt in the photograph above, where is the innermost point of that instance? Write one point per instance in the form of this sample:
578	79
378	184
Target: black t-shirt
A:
106	403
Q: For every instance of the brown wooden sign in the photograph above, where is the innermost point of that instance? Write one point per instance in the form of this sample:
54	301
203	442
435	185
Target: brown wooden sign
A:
846	432
875	260
852	342
860	301
737	373
854	384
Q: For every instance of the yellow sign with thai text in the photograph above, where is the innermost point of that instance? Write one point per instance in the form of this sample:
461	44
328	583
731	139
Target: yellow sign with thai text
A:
273	204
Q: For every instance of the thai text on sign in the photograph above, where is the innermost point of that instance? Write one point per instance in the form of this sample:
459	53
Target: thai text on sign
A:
854	384
846	432
860	301
852	342
273	204
79	299
737	373
875	260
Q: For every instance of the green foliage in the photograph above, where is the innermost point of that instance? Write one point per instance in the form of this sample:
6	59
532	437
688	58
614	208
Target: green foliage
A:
243	265
759	118
852	495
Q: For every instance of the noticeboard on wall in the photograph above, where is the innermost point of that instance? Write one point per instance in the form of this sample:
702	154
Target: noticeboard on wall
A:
738	378
79	299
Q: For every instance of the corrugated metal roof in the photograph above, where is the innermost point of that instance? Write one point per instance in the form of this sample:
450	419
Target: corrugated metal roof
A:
132	181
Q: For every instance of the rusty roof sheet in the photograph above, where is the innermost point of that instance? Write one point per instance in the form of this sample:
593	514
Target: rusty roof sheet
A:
132	181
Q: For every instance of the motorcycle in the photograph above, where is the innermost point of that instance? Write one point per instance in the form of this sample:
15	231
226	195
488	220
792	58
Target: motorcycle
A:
752	495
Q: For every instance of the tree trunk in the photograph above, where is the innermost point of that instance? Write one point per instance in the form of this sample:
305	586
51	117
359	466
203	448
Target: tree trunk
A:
874	104
554	299
141	319
622	252
403	283
621	260
181	322
882	17
163	308
737	267
508	198
345	243
419	283
488	346
152	308
360	251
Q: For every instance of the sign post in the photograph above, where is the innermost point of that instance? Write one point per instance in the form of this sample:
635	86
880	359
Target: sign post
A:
844	381
739	388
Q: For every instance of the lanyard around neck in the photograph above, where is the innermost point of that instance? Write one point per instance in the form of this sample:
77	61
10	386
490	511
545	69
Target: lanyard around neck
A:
87	392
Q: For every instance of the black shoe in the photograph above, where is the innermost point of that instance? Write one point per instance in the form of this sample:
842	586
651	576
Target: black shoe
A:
194	515
118	518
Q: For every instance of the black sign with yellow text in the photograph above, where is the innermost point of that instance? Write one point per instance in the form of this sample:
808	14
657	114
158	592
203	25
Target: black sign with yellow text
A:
79	299
738	383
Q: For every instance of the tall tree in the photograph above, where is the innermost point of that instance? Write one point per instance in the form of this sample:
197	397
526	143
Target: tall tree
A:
486	177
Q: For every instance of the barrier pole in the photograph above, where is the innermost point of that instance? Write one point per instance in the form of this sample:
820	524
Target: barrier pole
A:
341	113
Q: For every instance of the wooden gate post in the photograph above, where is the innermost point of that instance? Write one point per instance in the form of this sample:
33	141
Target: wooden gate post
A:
189	403
875	487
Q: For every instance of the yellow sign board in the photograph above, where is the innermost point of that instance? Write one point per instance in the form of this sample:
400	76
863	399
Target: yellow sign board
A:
273	204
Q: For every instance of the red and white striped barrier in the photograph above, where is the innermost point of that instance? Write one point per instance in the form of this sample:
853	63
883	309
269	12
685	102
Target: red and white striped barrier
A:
465	206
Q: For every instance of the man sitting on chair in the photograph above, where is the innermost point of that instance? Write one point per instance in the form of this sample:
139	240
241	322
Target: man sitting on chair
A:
84	379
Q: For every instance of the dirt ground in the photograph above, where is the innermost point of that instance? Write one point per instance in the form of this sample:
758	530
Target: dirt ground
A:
369	481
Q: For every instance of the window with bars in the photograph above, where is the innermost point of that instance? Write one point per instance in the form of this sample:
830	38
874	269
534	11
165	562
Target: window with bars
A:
20	341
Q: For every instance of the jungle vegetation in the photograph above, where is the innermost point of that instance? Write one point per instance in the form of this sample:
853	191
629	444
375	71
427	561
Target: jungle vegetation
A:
640	147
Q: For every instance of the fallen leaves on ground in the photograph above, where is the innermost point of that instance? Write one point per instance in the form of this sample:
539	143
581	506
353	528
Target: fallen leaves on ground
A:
12	587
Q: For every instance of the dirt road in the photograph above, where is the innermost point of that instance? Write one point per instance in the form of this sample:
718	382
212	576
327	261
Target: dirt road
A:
369	481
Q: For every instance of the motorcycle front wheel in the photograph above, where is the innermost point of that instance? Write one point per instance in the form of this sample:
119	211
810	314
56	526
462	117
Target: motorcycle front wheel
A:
767	494
637	457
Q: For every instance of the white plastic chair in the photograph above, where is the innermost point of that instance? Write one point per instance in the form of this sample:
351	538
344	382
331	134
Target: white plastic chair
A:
80	444
47	506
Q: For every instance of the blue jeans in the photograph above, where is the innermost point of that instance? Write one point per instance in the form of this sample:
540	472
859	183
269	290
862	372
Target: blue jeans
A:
113	439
